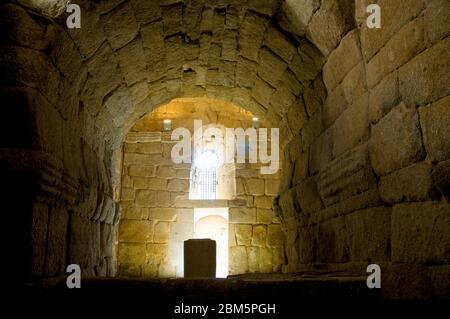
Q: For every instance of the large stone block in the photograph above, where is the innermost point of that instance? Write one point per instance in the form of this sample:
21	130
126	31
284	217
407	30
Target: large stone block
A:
172	18
253	258
264	216
255	187
435	123
146	11
251	35
267	7
263	202
308	197
421	233
425	78
135	231
401	48
243	215
332	241
396	141
124	17
369	234
279	44
275	236
243	234
395	14
161	233
271	68
162	214
413	183
145	198
437	15
346	176
346	56
132	253
259	236
265	260
141	170
352	127
329	24
238	260
383	97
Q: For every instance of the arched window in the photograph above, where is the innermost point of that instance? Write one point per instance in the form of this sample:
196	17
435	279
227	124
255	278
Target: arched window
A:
204	176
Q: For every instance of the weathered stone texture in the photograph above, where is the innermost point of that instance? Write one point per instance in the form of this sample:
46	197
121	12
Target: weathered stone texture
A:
435	124
420	233
396	141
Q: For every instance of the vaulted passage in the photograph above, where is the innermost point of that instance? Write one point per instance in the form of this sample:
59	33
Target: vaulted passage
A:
86	146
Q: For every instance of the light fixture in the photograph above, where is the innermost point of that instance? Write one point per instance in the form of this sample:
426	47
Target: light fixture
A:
167	125
255	122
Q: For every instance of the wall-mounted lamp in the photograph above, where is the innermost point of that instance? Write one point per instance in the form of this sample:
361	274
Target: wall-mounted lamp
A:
167	125
255	122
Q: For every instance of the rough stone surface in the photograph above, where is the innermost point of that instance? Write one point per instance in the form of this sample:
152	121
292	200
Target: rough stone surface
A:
420	232
413	183
396	141
435	124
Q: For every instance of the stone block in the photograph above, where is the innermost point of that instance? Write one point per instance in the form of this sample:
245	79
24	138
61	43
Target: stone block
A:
132	253
255	186
395	14
279	44
301	168
161	233
410	184
275	237
370	233
251	35
352	127
178	185
266	7
396	141
264	216
271	68
400	49
238	260
259	236
425	78
162	214
146	11
263	202
329	24
135	231
421	233
346	176
346	56
243	215
435	123
172	18
146	198
383	97
123	16
332	241
436	17
141	170
265	260
253	259
308	197
271	187
243	234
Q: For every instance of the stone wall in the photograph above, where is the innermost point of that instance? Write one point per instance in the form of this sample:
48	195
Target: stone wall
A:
156	215
364	113
369	169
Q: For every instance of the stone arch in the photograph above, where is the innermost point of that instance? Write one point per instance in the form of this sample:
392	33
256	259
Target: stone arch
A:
335	80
